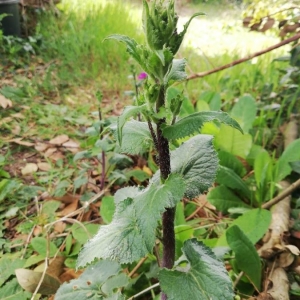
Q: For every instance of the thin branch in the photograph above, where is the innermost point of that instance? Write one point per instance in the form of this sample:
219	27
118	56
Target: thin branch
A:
137	266
241	60
282	195
145	291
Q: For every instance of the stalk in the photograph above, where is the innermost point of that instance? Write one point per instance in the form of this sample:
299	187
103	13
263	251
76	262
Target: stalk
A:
168	217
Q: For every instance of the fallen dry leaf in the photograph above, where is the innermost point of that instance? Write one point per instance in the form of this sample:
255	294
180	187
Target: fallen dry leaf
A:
18	116
6	120
43	166
57	155
19	141
50	151
29	169
41	147
69	208
16	130
71	144
60	227
4	102
59	140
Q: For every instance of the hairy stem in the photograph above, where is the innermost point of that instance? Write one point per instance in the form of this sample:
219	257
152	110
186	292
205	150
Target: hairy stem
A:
168	239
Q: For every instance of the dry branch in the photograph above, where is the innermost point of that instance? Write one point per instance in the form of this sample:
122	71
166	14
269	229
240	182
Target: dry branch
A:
239	61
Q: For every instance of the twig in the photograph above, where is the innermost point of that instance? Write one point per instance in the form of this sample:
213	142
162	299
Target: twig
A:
282	195
238	278
27	241
137	266
45	269
144	291
241	60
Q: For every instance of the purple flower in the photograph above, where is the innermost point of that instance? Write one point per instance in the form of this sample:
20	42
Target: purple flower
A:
142	76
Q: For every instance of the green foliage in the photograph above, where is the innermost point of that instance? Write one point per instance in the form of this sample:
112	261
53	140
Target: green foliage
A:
131	234
246	256
100	281
197	275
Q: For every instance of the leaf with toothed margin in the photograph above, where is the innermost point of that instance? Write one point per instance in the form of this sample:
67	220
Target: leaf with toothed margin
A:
203	277
193	123
99	281
176	73
129	111
131	234
196	160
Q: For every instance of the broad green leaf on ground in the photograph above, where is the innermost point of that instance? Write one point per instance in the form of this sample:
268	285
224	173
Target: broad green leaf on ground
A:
136	138
224	199
230	179
212	100
13	291
131	234
204	277
253	223
232	162
8	266
233	141
290	154
99	281
29	281
40	244
107	208
263	168
246	255
244	111
295	166
129	111
83	232
193	123
197	162
176	73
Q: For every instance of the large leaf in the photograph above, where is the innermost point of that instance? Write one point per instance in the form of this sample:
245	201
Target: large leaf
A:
197	162
253	223
97	282
230	179
233	141
131	234
244	111
136	138
193	123
204	277
128	112
232	162
8	266
224	199
246	255
13	291
290	154
176	73
29	280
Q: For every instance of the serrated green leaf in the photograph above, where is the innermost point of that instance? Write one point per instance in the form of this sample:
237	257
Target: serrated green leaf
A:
290	154
244	111
193	123
131	45
131	234
205	277
230	179
197	162
176	73
253	223
128	112
224	199
13	291
136	138
97	282
233	141
246	255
